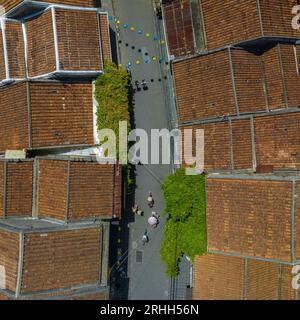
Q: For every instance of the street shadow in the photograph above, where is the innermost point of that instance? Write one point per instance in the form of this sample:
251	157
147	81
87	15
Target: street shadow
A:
131	98
97	3
113	43
120	247
120	250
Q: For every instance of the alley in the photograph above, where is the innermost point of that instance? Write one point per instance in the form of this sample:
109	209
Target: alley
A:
140	48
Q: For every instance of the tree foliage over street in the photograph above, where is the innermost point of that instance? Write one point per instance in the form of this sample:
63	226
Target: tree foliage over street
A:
185	231
112	91
112	95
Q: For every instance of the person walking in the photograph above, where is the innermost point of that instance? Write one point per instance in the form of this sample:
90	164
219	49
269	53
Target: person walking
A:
156	216
144	84
137	85
122	273
145	238
136	210
153	220
158	12
150	200
128	70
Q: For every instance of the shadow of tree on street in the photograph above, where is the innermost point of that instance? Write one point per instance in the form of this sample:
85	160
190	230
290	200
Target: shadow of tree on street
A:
120	248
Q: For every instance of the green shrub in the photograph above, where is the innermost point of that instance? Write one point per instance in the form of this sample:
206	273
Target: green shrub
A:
112	95
185	231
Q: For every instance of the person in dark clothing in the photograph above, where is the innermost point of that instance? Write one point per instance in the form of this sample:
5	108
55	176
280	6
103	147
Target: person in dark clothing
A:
158	12
144	84
145	238
137	85
150	200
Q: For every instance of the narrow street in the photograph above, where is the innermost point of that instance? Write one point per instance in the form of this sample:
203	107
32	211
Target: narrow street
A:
139	46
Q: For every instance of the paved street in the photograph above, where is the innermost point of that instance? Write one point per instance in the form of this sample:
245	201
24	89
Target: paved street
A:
146	273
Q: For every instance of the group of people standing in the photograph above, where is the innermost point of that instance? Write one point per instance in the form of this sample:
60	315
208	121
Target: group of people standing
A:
143	85
153	220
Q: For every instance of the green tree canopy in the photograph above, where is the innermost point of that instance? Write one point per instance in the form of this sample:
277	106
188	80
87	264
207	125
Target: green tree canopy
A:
185	231
112	95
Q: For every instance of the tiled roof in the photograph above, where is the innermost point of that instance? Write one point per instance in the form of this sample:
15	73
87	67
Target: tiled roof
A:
74	254
53	239
46	114
251	141
234	82
221	277
59	41
84	190
218	24
10	4
253	215
65	189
